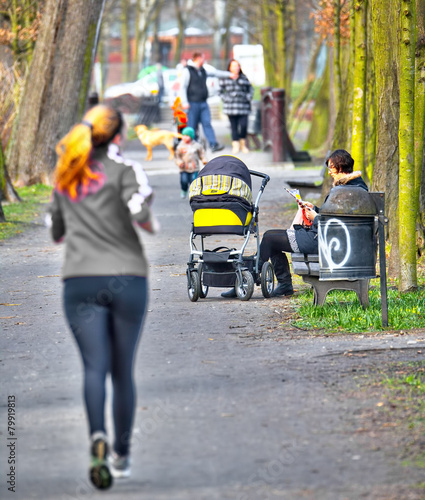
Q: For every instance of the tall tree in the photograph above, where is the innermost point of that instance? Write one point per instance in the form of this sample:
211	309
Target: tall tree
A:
291	32
420	122
337	53
182	8
319	129
125	42
306	91
56	90
273	16
332	22
407	202
268	36
10	87
20	25
385	173
370	146
359	83
280	12
218	25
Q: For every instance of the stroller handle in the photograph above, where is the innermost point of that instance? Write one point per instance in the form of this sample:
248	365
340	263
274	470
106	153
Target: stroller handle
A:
265	178
260	174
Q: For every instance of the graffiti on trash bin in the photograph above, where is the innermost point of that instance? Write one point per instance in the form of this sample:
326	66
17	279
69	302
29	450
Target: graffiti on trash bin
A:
328	247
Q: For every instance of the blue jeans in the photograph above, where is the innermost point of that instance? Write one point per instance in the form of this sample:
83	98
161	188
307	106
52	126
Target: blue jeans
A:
199	112
186	178
105	314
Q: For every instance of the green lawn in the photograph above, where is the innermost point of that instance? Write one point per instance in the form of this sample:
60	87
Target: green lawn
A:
19	216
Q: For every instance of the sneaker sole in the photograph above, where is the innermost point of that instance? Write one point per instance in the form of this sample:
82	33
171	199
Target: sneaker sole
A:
119	474
101	476
99	472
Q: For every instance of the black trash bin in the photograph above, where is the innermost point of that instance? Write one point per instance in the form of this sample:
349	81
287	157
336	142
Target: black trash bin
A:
149	111
347	235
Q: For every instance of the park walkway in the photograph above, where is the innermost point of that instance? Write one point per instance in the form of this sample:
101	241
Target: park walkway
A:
231	404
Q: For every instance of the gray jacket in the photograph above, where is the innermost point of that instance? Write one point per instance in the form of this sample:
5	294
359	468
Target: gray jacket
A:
99	227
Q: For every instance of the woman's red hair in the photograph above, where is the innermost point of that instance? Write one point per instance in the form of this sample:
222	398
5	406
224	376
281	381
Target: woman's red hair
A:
73	173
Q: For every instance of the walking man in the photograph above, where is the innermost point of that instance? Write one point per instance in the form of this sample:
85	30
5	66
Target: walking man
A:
194	94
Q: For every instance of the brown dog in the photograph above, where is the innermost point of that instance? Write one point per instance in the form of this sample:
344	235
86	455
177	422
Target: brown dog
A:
156	137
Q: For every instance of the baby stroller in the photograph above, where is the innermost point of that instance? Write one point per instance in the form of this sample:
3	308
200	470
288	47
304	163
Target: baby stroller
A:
221	201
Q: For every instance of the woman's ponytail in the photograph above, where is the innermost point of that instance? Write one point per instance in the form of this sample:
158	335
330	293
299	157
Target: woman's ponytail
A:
73	174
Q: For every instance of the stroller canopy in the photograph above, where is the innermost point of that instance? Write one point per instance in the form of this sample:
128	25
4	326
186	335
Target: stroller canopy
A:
227	165
224	178
221	197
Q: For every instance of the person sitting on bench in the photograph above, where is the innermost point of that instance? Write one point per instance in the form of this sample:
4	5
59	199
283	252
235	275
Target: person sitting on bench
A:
302	238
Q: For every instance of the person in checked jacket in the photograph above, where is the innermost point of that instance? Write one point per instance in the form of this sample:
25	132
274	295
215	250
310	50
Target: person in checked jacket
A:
237	96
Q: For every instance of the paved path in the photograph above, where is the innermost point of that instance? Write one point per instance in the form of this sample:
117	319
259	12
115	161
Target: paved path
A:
230	404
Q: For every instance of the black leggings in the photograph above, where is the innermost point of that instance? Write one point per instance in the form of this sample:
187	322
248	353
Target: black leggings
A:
239	125
273	246
105	314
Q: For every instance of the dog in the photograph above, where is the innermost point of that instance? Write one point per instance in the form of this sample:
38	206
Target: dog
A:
156	137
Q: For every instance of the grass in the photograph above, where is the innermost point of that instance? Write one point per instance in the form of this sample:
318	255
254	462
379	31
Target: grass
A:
400	389
343	313
19	216
407	379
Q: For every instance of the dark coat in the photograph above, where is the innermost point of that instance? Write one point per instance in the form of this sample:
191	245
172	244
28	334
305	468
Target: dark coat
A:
307	239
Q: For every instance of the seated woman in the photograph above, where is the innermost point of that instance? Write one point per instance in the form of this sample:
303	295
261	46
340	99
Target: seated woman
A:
276	242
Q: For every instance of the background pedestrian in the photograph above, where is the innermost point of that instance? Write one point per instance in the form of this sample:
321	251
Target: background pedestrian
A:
190	158
194	95
236	94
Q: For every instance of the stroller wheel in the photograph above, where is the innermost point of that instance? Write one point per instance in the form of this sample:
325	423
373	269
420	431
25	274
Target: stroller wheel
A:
193	285
245	289
203	289
267	279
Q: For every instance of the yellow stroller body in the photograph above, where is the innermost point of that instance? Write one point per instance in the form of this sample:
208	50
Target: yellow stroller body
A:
221	201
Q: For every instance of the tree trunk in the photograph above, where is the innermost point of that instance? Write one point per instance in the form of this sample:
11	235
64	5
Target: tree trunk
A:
7	191
359	90
56	89
407	202
370	153
291	49
337	54
268	43
281	53
419	123
136	62
219	16
385	174
125	70
305	93
2	216
342	132
182	13
321	114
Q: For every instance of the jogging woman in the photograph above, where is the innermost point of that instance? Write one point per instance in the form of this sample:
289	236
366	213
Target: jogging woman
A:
98	201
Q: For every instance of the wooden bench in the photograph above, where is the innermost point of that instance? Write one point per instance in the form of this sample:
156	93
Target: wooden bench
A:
307	266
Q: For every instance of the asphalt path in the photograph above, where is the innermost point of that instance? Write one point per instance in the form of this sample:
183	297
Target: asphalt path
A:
229	405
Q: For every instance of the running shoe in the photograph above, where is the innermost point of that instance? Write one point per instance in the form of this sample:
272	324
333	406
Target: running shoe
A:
99	472
120	465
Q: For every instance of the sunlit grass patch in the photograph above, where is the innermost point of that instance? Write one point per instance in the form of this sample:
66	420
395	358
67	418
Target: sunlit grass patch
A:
398	391
342	311
408	378
20	215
